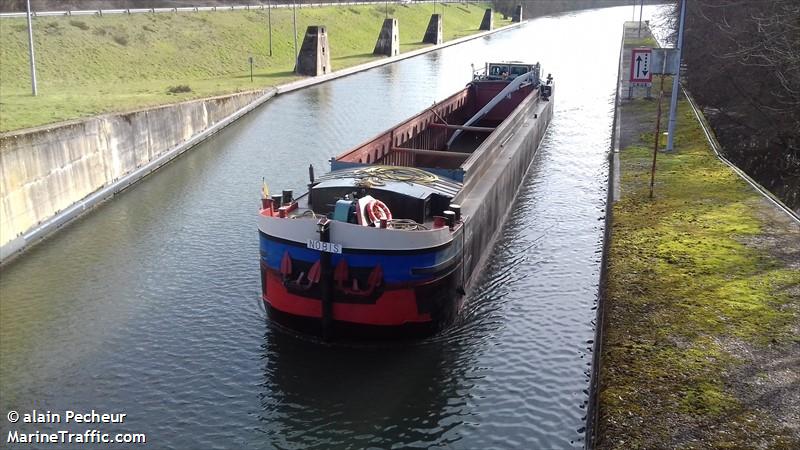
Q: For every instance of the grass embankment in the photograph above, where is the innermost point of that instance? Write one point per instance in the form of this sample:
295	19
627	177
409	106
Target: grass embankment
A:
91	65
701	309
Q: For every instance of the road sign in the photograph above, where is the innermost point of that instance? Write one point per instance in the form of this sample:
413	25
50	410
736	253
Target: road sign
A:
664	61
640	65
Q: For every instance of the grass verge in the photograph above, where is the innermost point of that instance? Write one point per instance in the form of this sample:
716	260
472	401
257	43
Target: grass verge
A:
693	301
92	65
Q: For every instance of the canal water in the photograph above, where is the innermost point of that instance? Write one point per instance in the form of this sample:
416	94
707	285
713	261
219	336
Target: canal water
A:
150	305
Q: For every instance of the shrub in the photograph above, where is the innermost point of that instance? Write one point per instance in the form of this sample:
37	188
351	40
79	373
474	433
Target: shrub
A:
179	89
121	39
79	24
52	28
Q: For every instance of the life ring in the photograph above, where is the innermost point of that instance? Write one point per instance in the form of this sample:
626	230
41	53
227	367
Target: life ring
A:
377	211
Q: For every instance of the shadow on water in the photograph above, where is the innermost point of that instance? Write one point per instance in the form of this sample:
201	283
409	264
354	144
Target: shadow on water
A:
370	395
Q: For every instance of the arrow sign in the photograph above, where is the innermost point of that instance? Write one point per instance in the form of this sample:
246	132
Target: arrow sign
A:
640	65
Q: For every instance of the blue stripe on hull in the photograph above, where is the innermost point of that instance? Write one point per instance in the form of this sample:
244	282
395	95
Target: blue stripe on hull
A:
397	268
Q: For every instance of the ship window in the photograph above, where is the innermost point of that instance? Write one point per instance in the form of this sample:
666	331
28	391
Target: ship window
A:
497	70
518	70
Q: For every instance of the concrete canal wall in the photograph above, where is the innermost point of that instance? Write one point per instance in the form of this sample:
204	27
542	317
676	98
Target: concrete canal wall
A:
53	174
66	168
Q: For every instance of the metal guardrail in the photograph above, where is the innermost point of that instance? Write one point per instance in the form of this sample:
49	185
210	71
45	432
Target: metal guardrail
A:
101	12
717	148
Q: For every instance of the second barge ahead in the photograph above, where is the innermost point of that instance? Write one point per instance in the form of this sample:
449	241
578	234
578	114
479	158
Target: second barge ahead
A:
388	242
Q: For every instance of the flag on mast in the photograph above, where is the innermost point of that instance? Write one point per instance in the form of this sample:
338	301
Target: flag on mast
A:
264	188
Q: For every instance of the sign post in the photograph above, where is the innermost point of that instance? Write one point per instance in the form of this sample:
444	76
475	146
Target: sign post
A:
269	20
30	51
658	125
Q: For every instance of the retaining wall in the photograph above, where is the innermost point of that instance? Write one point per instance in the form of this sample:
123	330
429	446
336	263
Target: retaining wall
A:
45	171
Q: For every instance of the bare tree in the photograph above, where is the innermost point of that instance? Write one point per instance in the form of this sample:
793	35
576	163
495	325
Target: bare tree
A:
743	59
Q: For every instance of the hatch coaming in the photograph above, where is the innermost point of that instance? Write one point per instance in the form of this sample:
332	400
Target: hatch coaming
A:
495	142
373	151
421	141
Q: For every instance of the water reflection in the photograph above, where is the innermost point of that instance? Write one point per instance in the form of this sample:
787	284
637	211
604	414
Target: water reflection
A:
318	396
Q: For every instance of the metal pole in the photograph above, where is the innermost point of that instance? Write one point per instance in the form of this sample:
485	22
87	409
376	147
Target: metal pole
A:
675	83
633	14
30	50
658	126
658	131
294	21
269	18
641	9
326	284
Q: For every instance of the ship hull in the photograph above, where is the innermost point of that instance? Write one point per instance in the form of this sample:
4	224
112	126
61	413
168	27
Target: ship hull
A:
386	294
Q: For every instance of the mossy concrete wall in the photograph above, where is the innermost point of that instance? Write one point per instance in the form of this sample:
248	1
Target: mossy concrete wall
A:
47	170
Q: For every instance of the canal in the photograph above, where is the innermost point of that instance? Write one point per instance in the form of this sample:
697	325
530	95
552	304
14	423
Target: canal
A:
150	305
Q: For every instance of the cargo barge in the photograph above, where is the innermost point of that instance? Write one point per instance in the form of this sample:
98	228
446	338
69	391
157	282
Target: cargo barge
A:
387	243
